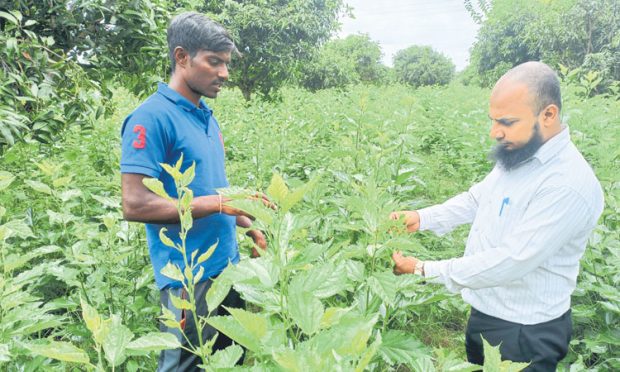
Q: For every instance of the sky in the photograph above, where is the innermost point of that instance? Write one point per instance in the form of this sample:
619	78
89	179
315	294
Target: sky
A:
445	25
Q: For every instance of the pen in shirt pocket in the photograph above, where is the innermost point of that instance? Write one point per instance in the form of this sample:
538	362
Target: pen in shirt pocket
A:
505	202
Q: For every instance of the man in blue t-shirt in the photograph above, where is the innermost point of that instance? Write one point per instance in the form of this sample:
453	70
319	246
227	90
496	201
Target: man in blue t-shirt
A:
173	122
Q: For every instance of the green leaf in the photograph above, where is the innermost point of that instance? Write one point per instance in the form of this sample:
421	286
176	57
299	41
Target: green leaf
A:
492	357
60	350
199	274
226	358
116	342
181	303
17	228
156	186
384	285
179	162
277	189
302	360
175	173
217	293
322	281
188	175
231	328
332	316
186	200
296	196
399	347
262	268
10	17
39	186
165	239
205	256
6	179
368	355
172	271
305	309
154	341
168	318
493	360
93	320
348	337
255	324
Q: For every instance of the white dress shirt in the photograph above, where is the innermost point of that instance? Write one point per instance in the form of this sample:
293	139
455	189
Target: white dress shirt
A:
529	229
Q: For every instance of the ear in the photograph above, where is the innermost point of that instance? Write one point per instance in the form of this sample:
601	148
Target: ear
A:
181	57
549	116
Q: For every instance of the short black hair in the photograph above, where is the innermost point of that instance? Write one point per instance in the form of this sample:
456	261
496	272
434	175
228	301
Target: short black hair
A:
194	32
541	81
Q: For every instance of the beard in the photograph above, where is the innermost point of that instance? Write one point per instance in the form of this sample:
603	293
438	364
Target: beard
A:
512	159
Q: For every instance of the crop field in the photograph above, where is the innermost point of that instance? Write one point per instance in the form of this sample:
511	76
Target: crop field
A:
77	289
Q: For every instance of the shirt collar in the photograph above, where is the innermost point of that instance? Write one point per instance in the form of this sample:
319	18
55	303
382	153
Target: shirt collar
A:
178	99
556	143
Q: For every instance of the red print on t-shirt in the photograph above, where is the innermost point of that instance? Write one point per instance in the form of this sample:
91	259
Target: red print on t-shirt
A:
140	143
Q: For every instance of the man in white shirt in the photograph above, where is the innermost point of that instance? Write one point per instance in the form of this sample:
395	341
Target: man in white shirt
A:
531	218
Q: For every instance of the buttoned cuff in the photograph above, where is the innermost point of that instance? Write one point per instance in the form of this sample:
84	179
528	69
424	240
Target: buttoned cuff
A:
426	219
432	270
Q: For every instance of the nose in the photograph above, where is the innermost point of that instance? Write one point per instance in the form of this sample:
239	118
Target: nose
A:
223	72
496	131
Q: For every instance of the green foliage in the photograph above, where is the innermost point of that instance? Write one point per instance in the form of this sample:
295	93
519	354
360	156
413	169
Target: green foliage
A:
578	34
42	91
421	65
275	38
322	295
341	62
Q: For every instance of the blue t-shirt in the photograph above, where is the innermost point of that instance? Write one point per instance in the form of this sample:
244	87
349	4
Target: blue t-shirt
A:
158	131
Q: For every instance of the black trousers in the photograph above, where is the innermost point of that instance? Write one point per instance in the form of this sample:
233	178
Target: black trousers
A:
180	360
543	345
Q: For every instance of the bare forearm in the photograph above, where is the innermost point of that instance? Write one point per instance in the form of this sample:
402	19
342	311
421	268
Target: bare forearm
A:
160	210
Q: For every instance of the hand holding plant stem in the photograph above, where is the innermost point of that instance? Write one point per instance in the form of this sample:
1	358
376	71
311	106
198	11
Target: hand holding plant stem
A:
411	219
403	264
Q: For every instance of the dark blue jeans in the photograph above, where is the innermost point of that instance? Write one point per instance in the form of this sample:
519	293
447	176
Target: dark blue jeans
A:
180	360
543	345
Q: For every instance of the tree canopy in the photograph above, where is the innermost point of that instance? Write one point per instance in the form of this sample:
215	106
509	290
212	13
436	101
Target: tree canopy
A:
576	34
275	37
421	65
341	62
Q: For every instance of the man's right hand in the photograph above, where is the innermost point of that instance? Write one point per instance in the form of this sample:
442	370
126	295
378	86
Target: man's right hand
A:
411	219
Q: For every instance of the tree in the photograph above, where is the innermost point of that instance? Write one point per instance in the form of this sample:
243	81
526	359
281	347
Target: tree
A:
341	62
421	65
577	34
43	91
275	38
59	58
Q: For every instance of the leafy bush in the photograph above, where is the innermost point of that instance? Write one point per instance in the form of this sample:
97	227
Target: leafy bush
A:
43	91
421	65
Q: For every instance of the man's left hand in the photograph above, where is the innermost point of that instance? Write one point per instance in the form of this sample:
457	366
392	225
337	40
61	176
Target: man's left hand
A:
402	264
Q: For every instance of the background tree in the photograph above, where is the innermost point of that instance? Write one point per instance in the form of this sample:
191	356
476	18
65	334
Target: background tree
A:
275	38
576	34
421	65
341	62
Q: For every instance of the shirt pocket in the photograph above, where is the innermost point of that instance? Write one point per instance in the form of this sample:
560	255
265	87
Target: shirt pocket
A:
506	213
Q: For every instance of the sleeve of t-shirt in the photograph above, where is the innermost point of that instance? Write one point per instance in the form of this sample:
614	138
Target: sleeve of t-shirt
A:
144	144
